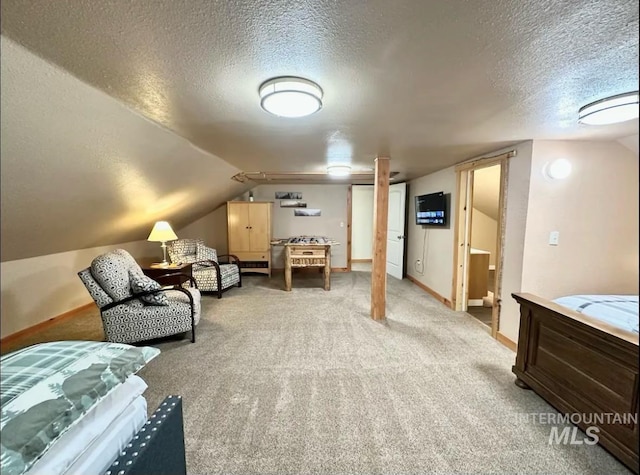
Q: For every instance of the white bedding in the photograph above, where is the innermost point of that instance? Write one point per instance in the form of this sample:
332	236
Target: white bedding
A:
620	311
104	450
73	444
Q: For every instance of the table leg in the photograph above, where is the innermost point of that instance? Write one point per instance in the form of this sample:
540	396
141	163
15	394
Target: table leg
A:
287	268
327	269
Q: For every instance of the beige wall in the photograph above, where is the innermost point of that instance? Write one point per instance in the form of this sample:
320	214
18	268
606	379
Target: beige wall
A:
433	246
484	234
330	199
437	272
595	210
212	228
362	222
514	235
39	288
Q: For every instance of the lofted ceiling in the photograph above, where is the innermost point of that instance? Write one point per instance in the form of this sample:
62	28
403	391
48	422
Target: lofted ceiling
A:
486	190
117	113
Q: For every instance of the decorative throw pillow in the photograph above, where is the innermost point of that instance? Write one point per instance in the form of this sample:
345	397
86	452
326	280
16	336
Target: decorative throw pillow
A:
205	253
110	271
142	283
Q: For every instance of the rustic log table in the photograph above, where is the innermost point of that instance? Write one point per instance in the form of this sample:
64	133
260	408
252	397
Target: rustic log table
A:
307	255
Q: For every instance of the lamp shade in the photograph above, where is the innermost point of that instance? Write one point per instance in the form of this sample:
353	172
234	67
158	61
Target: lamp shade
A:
162	232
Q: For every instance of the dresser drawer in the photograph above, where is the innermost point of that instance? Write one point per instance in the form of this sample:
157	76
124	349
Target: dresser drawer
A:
253	256
302	252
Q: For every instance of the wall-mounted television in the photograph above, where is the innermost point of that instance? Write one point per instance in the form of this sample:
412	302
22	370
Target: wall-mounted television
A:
431	209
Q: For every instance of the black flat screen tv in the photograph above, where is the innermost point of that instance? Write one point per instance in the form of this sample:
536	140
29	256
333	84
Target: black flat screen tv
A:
431	210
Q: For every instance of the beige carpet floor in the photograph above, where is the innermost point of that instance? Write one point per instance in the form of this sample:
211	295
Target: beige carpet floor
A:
304	382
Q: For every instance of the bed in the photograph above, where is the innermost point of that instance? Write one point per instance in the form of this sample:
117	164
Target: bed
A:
580	354
77	407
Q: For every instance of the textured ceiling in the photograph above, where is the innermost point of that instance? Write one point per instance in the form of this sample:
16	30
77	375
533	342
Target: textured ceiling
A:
428	83
118	113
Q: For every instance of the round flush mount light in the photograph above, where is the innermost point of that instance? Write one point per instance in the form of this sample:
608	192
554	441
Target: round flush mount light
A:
611	110
339	170
558	169
290	96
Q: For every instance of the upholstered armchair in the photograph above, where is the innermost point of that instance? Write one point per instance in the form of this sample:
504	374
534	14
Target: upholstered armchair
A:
207	270
134	307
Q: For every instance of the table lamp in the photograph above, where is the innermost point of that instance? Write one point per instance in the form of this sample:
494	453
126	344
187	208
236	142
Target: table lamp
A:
162	232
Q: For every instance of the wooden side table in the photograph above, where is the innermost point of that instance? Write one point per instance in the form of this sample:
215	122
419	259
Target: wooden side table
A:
156	271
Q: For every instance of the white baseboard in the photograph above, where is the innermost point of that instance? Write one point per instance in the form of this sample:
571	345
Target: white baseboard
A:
474	303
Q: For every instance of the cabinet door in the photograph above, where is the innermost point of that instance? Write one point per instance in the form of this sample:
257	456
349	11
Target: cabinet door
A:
260	230
239	227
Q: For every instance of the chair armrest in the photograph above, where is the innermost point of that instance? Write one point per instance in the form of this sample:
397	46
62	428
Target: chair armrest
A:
207	263
148	292
233	259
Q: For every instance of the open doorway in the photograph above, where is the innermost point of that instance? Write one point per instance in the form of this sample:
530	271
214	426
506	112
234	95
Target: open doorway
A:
485	205
479	234
360	249
361	228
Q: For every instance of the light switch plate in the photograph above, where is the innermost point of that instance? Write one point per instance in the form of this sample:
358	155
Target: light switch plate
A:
554	238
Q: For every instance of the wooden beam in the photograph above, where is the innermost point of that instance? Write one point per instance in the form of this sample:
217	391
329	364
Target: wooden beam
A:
349	232
379	257
484	161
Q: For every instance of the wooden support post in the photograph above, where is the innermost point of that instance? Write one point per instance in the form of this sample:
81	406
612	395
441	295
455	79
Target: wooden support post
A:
379	258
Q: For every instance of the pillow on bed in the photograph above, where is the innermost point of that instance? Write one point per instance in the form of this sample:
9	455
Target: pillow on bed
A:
48	388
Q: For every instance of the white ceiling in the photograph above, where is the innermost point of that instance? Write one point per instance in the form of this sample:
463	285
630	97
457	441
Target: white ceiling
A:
428	83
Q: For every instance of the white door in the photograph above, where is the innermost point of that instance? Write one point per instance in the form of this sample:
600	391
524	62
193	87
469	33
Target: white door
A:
395	230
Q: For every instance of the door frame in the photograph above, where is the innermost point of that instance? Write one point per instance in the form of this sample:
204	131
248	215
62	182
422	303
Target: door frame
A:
462	232
350	227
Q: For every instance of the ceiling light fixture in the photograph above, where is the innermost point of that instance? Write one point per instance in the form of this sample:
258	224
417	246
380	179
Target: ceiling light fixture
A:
290	96
611	110
339	170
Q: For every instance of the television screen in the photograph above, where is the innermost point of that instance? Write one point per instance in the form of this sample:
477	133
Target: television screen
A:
431	209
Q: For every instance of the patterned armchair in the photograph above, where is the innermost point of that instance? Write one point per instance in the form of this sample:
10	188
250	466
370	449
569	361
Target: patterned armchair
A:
134	307
206	269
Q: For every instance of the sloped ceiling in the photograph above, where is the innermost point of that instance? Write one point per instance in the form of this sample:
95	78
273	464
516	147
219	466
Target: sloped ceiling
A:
486	190
631	142
79	169
166	92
